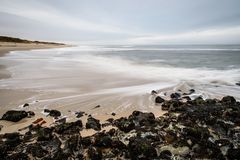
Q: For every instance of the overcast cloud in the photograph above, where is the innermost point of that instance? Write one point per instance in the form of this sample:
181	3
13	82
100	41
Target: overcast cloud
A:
123	21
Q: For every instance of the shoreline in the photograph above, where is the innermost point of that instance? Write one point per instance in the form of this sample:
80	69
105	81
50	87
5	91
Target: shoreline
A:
7	47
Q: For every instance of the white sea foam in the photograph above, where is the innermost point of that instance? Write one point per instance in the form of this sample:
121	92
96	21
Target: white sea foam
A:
66	69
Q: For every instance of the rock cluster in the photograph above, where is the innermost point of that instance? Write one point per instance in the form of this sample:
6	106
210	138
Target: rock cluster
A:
192	129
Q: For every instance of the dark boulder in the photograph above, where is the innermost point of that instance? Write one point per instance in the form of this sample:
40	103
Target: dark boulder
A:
175	95
153	92
36	150
79	114
124	124
142	119
140	148
54	113
233	153
93	124
12	139
94	153
165	154
228	100
69	128
103	140
191	91
44	134
26	105
73	143
14	116
159	99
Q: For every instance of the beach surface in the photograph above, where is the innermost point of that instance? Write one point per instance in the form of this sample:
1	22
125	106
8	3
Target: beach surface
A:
14	97
104	81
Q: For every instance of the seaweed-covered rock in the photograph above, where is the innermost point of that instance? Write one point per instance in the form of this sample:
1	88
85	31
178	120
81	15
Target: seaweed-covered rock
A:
142	119
140	148
69	128
124	124
228	100
94	153
44	134
14	116
93	124
54	113
36	150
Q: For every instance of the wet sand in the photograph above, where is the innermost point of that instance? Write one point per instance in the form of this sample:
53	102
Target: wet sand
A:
14	97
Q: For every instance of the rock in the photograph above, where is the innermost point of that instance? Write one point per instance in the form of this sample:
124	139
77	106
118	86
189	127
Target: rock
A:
113	114
158	99
69	128
142	119
98	106
103	141
36	150
72	143
54	113
86	141
118	144
191	91
228	100
233	153
18	156
124	125
187	98
165	154
175	95
12	139
44	134
110	120
25	105
30	114
94	153
93	124
153	92
46	110
111	132
79	114
140	148
14	116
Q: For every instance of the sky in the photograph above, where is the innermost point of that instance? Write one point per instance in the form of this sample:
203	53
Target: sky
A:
123	21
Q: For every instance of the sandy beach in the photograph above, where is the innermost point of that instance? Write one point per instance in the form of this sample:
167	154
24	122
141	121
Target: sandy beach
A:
14	97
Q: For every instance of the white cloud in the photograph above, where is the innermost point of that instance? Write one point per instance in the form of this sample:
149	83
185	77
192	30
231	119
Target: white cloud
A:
51	16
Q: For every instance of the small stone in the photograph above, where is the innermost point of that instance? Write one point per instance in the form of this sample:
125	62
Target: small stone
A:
98	106
26	105
158	99
153	92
